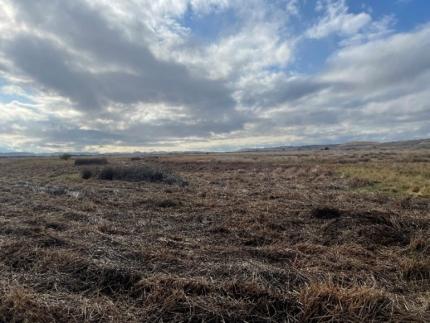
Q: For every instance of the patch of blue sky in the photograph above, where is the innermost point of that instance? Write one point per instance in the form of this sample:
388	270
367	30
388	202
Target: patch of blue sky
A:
5	149
408	14
10	97
311	54
276	69
208	28
307	17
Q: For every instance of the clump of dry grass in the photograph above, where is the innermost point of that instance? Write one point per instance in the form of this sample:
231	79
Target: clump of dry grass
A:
174	298
416	269
420	243
327	302
20	305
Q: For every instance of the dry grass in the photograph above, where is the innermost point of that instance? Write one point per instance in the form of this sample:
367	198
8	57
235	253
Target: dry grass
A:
252	238
326	302
416	269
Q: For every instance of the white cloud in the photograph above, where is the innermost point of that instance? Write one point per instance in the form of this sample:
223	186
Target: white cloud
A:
248	52
130	75
399	58
337	20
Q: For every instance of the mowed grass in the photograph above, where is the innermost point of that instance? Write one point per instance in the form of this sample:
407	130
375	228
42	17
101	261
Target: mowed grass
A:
391	178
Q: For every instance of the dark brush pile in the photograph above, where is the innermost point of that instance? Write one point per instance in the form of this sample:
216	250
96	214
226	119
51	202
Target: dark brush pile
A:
90	161
141	173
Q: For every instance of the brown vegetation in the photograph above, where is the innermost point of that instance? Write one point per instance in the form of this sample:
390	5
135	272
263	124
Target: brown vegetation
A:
90	161
262	237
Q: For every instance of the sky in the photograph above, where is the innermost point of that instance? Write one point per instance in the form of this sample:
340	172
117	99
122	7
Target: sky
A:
211	75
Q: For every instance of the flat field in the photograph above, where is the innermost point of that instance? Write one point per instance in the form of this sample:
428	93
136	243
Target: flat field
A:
320	236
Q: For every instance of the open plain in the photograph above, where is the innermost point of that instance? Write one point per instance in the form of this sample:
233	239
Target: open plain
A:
302	236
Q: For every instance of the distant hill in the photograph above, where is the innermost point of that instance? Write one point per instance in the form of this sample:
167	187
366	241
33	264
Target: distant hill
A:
416	144
17	154
27	154
355	145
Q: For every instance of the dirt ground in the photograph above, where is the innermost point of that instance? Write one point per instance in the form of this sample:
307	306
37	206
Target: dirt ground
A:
255	237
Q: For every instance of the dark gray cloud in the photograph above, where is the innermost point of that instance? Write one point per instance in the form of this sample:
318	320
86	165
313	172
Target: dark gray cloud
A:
139	76
284	91
60	132
52	69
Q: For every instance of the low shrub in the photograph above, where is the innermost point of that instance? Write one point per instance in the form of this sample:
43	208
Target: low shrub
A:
107	174
86	173
326	213
139	174
166	203
90	161
65	156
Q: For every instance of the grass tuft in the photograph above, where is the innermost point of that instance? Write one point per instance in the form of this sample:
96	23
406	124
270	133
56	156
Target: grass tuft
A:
327	302
416	269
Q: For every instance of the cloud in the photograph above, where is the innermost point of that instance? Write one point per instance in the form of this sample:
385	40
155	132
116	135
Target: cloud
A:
377	89
398	59
132	75
337	19
136	74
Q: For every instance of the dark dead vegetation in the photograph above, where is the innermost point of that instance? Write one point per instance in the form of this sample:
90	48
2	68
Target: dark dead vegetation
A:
136	158
65	156
90	161
252	238
141	173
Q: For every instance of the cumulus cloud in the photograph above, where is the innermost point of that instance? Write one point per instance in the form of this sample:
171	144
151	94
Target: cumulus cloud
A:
131	75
